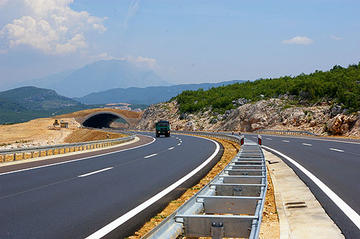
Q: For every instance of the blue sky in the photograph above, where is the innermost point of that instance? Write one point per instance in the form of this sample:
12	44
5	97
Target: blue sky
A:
184	41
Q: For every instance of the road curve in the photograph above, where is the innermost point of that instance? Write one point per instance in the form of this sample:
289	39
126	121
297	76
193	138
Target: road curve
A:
336	163
77	198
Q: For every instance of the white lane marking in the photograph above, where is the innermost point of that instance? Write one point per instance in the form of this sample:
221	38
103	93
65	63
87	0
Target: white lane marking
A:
286	141
171	148
75	160
149	156
268	139
179	144
305	144
98	171
349	212
310	138
117	222
337	150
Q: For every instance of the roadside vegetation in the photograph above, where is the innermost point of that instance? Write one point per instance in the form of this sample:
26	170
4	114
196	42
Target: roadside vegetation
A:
339	85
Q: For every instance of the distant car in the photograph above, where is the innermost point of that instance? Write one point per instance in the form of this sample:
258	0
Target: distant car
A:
162	128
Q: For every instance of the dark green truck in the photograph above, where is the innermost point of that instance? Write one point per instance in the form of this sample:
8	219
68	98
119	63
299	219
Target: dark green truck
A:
162	128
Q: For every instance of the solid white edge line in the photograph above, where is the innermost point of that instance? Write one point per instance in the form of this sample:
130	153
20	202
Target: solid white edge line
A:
149	156
347	210
117	222
75	160
337	150
94	172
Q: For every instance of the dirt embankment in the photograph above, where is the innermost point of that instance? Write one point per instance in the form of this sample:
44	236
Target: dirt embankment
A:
322	119
84	135
40	132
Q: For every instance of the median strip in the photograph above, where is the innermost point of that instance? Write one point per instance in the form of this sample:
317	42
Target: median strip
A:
98	171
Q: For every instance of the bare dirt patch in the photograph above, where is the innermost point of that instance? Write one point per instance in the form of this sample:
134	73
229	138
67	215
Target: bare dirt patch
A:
36	132
40	132
84	135
270	227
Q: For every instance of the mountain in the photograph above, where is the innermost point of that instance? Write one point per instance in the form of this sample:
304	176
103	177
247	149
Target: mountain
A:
99	76
26	103
147	95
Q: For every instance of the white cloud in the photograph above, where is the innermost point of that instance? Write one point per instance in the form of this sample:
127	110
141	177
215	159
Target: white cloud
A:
299	40
51	26
132	10
141	61
336	38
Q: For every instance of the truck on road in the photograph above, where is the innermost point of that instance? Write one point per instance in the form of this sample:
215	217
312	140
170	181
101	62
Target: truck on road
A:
162	127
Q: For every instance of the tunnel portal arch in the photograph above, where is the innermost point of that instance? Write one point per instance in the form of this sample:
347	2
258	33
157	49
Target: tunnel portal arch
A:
103	119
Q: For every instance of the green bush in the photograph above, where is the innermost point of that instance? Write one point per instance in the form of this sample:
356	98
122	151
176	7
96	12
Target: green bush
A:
340	85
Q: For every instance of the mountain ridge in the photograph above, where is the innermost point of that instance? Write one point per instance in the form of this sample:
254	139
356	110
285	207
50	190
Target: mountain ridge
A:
29	102
146	95
99	76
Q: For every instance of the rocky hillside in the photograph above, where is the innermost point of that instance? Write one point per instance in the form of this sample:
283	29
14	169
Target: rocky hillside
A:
322	118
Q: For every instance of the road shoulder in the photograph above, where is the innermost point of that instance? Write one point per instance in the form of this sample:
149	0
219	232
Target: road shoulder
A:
300	214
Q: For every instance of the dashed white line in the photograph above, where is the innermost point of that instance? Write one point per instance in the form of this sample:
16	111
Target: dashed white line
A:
285	141
268	139
349	212
179	144
305	144
171	148
130	214
98	171
149	156
337	150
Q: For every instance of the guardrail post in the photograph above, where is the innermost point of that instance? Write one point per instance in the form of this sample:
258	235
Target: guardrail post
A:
259	140
217	230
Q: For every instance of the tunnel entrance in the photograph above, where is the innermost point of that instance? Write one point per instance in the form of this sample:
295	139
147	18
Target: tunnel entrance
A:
102	120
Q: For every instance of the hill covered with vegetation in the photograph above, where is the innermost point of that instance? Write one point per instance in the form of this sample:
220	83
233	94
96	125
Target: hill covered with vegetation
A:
339	85
26	103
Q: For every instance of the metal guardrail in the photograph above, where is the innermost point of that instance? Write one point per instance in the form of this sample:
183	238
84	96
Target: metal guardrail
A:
231	205
50	150
288	132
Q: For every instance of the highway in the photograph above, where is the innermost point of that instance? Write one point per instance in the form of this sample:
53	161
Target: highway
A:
76	198
336	163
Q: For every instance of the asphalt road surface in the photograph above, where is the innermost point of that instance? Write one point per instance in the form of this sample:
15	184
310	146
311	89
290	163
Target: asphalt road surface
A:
335	162
77	198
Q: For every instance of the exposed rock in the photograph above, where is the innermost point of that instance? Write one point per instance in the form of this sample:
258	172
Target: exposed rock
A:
264	114
335	110
341	124
213	121
240	102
